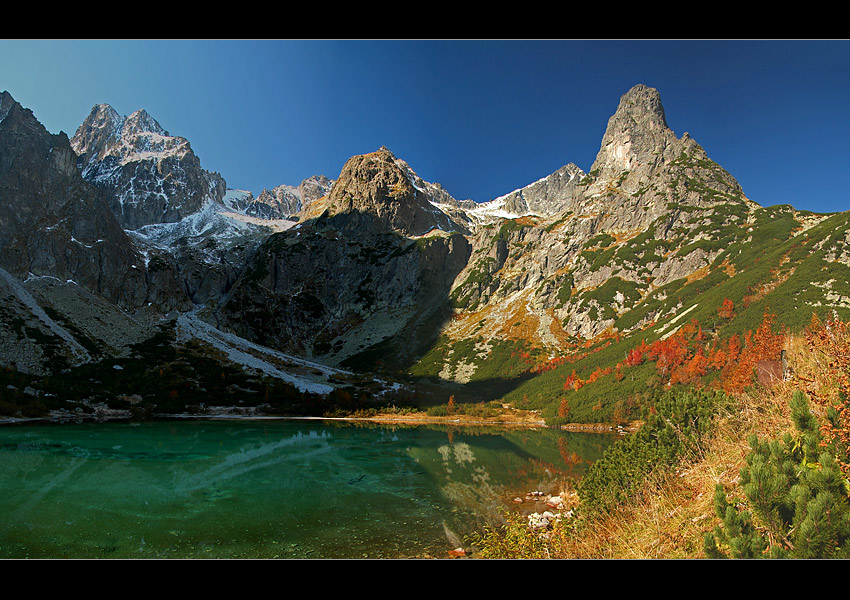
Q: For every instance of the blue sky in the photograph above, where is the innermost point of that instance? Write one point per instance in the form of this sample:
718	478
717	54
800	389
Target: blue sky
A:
480	117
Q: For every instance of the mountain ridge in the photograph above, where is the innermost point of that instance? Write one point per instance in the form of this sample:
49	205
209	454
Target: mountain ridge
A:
385	274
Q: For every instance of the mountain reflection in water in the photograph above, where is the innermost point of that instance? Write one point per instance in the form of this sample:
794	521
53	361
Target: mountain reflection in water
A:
268	489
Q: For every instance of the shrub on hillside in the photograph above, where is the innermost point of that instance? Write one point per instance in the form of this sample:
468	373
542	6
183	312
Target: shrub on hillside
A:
797	494
674	427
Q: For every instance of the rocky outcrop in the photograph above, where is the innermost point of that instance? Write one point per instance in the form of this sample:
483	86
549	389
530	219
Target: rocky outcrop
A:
553	195
312	189
643	171
380	188
281	202
637	138
148	175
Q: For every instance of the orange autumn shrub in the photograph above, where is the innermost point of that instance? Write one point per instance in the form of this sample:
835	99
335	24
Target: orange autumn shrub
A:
692	370
727	309
764	344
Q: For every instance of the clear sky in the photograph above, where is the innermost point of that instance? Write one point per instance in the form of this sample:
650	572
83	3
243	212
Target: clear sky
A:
480	117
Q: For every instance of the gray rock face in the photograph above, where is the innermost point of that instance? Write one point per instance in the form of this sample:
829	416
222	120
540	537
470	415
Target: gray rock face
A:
319	291
55	224
552	195
313	188
642	168
637	136
281	202
149	176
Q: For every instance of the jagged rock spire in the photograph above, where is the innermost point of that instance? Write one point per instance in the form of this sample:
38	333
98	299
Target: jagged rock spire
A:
6	102
637	133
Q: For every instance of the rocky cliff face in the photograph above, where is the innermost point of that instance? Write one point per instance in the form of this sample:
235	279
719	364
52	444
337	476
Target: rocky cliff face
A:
55	224
148	175
62	250
352	273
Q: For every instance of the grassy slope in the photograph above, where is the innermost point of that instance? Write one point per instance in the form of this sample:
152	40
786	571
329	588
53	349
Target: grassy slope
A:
770	266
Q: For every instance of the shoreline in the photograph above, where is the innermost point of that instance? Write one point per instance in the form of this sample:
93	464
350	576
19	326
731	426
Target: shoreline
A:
387	419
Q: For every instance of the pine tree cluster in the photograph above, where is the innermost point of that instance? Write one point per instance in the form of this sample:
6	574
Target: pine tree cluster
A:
797	497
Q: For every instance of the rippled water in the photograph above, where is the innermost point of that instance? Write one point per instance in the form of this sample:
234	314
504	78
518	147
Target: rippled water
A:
267	489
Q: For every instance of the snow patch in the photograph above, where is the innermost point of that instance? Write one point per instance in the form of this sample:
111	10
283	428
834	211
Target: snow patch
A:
245	353
673	321
26	298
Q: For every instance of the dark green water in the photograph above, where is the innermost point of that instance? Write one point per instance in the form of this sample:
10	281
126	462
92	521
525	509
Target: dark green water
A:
267	489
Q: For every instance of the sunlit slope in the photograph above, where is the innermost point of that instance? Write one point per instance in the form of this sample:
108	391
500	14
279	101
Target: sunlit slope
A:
775	259
779	266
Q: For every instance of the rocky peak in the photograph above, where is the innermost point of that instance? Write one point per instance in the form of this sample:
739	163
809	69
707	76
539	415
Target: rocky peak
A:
136	137
636	133
313	188
546	197
280	202
149	176
642	168
100	130
6	102
380	187
141	122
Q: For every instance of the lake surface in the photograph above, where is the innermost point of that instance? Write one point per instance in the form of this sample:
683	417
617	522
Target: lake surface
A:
268	488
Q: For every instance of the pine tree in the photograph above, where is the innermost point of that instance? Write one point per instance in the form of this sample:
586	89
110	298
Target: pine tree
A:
797	494
739	534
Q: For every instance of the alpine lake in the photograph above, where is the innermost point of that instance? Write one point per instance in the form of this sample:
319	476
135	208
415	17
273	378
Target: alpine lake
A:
270	488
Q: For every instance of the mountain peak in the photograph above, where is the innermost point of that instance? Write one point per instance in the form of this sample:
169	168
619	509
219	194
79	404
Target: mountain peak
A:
643	104
140	121
6	102
149	175
383	186
105	132
636	132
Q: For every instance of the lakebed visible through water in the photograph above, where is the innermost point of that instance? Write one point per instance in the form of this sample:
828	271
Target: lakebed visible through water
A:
269	488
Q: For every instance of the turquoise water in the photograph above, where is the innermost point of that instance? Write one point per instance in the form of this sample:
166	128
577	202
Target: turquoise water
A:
267	489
